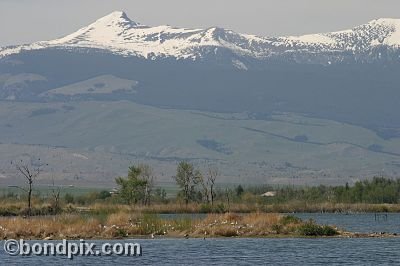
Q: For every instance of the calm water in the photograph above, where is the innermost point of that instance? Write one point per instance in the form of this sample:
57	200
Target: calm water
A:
241	252
253	251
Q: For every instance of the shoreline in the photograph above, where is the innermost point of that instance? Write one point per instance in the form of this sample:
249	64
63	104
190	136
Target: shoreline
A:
343	235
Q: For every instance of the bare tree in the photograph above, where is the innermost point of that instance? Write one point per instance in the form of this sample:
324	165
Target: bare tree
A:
212	175
55	193
204	185
30	170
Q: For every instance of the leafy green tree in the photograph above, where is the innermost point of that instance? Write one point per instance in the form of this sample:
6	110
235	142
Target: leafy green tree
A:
132	189
187	178
146	174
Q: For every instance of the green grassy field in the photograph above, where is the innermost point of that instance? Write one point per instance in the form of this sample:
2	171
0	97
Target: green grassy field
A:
89	141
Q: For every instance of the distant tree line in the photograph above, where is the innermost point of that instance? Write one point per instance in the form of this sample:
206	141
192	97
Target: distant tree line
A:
201	187
196	186
376	190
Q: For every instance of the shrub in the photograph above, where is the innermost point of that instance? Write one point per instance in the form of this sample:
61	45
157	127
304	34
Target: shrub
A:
312	229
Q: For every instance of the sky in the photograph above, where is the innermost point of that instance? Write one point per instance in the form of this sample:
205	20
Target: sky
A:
26	21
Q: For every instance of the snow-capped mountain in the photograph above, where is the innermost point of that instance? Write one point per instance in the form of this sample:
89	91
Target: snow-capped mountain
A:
348	76
207	95
120	35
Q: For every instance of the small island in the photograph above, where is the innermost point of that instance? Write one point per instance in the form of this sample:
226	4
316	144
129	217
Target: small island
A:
123	224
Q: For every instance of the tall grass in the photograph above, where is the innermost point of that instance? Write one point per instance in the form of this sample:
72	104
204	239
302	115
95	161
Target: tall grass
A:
129	224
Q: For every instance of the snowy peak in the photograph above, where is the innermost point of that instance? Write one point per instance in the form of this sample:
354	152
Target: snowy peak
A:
116	19
106	29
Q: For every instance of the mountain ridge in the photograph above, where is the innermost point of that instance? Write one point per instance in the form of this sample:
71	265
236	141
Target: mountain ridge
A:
118	34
